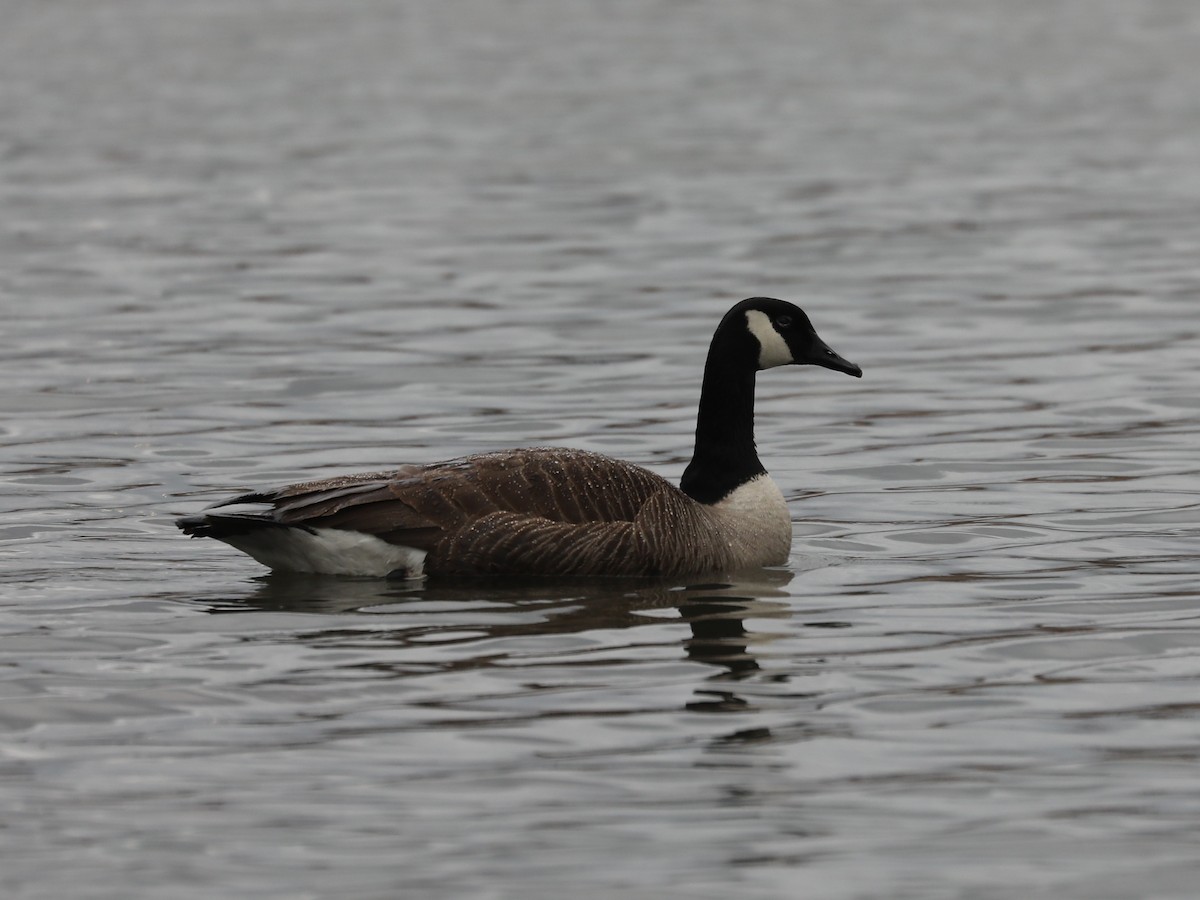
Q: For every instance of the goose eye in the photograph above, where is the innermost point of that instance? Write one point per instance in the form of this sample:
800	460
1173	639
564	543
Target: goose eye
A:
783	321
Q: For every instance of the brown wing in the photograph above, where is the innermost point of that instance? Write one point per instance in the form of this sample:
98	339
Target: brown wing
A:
663	539
507	543
420	506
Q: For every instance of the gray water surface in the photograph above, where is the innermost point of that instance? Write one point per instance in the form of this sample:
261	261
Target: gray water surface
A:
247	243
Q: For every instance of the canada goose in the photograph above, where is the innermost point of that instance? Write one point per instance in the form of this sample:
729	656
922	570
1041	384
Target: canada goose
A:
549	511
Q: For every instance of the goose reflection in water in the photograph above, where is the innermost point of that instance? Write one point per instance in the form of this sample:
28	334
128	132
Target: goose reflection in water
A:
478	611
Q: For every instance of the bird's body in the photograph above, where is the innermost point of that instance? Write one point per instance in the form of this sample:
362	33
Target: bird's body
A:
516	512
547	511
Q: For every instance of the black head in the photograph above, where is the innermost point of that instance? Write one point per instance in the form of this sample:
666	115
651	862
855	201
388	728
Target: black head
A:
784	336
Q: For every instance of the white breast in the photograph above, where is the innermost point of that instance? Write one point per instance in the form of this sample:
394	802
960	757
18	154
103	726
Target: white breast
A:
755	522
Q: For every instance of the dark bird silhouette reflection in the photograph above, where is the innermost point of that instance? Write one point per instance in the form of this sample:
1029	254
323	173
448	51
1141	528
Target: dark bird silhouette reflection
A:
485	609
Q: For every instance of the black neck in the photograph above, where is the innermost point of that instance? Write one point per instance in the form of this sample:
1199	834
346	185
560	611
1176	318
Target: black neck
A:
725	458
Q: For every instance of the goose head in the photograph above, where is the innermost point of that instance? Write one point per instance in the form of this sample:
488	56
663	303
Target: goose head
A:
779	333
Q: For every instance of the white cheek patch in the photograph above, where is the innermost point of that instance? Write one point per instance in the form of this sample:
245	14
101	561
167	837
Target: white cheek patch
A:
772	348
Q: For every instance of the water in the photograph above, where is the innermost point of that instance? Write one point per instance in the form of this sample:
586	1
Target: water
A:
249	243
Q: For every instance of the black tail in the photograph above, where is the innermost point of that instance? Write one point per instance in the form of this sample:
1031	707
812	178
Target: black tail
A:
224	525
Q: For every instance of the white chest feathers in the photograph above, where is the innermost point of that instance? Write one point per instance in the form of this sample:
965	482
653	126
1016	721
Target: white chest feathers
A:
755	523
